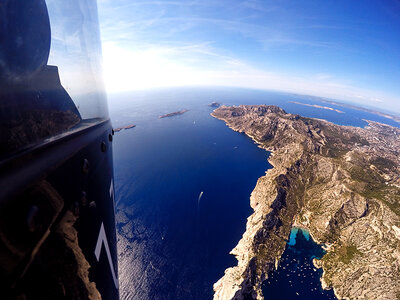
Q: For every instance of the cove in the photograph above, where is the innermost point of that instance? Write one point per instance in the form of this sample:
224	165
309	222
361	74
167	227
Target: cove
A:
296	276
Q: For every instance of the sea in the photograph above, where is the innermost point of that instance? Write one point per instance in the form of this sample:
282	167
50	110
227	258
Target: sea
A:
183	186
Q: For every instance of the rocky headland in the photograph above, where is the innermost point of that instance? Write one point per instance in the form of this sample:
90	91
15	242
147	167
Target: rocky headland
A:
318	106
342	183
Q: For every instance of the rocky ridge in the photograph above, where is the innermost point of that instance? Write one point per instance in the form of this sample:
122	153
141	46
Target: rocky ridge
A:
342	183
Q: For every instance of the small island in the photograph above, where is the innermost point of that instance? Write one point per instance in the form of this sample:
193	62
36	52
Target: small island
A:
176	113
341	183
118	129
214	104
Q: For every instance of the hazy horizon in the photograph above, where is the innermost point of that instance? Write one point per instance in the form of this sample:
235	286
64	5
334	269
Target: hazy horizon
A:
339	102
339	50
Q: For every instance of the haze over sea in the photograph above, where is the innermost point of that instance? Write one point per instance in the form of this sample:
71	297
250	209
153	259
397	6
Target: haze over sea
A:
174	244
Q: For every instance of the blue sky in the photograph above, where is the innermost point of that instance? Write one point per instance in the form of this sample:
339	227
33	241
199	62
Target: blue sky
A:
346	50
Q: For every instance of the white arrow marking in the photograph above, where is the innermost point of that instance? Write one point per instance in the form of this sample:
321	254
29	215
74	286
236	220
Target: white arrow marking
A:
102	239
112	192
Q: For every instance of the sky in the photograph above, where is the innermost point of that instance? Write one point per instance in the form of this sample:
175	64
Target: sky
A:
345	50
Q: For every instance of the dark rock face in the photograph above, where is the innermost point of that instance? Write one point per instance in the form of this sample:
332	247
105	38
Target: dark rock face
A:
352	210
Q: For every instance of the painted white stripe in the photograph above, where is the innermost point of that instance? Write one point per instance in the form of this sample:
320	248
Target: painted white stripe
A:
102	239
112	192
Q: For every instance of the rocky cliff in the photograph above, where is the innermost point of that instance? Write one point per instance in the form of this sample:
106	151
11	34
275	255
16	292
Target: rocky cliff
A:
342	183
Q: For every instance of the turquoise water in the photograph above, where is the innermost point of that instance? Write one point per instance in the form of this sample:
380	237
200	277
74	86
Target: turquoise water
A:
174	244
296	276
293	234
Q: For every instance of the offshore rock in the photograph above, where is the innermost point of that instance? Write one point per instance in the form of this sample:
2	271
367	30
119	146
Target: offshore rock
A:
341	183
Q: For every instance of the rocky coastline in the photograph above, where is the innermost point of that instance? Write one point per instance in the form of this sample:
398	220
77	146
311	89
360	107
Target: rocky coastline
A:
342	183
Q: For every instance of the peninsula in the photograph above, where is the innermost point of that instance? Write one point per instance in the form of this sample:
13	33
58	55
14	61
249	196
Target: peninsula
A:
342	183
118	129
180	112
318	106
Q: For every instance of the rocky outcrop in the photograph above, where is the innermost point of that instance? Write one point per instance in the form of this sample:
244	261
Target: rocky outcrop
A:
214	104
173	114
342	183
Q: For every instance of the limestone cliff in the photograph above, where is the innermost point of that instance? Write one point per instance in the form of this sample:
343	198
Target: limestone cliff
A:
342	183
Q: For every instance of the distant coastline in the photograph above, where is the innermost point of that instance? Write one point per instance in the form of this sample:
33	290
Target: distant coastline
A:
176	113
318	106
393	117
378	113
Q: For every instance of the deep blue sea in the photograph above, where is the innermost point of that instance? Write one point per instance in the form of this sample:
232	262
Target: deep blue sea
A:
174	244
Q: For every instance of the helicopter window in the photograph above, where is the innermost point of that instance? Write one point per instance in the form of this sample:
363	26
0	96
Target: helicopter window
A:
76	50
50	71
